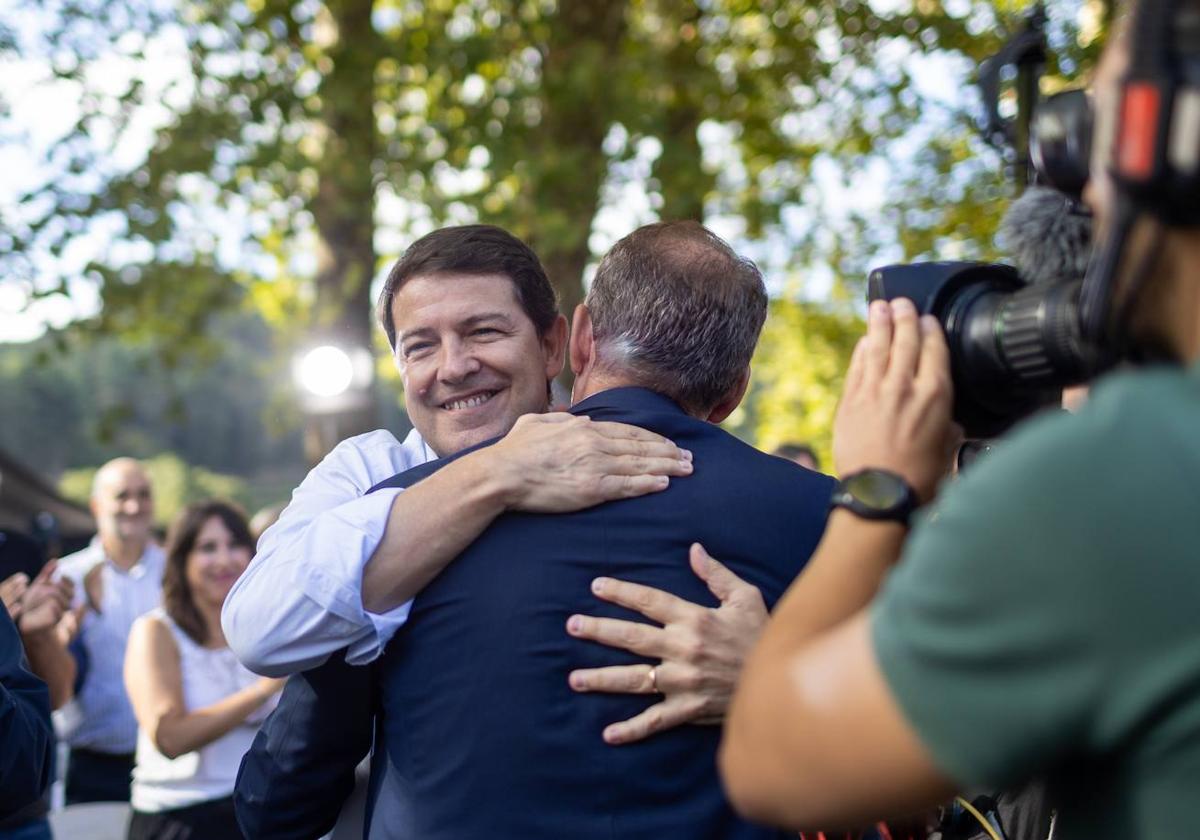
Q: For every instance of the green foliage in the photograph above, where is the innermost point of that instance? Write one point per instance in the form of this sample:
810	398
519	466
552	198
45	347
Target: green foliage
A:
797	376
101	397
295	117
296	122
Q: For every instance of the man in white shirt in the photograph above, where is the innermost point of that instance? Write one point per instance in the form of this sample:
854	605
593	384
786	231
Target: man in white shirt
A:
120	577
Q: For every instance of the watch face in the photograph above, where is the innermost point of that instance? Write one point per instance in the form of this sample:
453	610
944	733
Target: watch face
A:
876	489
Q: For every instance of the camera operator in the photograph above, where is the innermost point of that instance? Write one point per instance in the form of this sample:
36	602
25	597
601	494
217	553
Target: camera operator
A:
1041	619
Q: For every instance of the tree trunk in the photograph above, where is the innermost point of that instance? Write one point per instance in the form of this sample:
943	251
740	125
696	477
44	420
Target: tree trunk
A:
577	112
343	207
679	170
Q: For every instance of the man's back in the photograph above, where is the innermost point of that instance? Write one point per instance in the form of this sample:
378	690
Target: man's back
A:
481	733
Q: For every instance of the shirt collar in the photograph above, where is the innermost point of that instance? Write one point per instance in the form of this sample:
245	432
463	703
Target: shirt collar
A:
152	554
414	441
631	398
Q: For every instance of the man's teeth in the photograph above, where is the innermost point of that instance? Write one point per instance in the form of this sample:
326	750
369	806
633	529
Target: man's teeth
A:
470	402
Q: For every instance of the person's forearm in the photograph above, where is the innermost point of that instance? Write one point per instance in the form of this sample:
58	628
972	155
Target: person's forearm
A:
429	525
843	576
177	735
53	663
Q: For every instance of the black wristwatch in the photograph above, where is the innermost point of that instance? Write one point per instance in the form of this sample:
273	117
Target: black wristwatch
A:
878	495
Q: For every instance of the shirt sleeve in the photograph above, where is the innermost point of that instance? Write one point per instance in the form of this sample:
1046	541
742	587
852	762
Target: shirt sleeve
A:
982	632
300	600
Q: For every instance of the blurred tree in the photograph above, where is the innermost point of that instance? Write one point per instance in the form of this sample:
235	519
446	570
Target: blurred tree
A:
87	405
797	376
300	140
175	485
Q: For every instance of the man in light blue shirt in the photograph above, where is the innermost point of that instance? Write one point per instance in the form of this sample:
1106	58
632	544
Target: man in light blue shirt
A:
119	576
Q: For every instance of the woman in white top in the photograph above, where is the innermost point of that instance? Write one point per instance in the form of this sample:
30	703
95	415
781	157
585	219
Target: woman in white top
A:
197	708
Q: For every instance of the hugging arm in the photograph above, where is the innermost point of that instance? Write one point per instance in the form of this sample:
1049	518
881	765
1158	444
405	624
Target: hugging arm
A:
352	559
547	463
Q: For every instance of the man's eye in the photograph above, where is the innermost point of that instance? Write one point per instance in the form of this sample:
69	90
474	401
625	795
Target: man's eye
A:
416	348
485	331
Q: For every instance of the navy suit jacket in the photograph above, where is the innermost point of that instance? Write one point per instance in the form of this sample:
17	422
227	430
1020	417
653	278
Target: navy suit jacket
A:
25	731
477	731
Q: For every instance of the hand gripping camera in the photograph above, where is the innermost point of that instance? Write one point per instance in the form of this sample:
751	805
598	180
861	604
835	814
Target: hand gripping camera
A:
1017	338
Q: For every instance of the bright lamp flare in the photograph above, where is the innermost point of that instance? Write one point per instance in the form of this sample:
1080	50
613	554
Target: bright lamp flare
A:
326	371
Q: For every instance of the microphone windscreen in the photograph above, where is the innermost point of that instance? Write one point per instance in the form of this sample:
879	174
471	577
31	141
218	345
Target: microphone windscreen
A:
1048	236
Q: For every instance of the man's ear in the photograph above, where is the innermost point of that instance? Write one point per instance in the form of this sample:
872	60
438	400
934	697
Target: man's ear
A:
731	400
554	345
583	343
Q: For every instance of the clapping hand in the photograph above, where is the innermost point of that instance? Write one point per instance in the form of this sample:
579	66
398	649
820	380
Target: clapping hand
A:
46	602
12	589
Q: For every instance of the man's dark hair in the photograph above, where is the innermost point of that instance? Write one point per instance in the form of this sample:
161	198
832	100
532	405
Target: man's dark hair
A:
673	304
475	250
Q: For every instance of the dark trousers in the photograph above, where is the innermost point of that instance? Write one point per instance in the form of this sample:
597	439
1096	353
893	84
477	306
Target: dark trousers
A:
212	820
98	777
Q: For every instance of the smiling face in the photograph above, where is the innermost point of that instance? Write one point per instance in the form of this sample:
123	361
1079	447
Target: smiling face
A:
216	560
122	502
471	360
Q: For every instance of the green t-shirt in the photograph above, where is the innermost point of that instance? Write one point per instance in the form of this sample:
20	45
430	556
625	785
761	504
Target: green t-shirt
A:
1045	617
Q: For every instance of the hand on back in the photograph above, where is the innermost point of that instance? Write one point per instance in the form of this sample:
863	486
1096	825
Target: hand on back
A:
556	463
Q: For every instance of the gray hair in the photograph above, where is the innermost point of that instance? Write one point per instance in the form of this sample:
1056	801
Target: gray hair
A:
674	307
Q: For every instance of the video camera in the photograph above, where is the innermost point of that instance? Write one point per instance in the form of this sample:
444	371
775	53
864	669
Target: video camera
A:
1017	338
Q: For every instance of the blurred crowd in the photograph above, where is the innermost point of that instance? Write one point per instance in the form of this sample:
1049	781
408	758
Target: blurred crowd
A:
152	706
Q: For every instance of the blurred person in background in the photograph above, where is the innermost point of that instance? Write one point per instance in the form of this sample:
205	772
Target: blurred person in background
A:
799	453
264	519
37	608
26	738
119	578
39	601
1042	619
45	622
197	707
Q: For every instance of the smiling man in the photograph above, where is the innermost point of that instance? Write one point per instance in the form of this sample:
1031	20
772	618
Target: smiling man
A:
123	573
469	357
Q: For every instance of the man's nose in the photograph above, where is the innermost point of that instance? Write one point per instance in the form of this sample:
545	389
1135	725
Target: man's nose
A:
457	363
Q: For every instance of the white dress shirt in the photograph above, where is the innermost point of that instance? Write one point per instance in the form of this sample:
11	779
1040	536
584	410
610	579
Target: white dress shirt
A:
106	721
300	600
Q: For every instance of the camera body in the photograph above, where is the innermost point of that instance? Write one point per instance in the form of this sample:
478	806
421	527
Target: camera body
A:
1013	347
